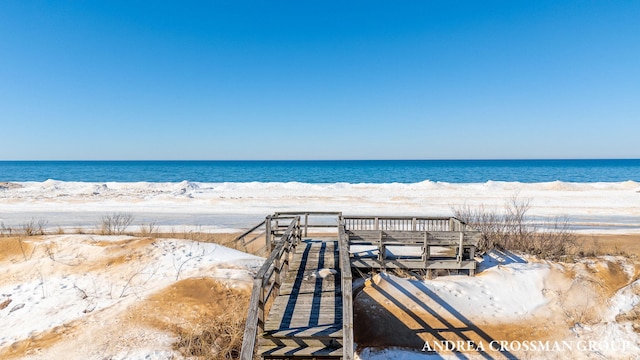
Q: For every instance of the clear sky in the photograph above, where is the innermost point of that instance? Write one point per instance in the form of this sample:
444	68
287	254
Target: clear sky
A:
319	79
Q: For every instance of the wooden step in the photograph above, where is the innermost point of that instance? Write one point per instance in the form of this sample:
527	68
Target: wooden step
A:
319	342
288	352
333	331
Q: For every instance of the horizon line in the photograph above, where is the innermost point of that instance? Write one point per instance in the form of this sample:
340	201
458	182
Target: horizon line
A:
296	160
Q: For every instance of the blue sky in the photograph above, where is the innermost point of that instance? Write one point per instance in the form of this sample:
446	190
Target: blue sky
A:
319	79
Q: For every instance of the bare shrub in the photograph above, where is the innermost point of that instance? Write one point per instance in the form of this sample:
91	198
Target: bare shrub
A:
510	229
34	227
115	224
5	230
149	229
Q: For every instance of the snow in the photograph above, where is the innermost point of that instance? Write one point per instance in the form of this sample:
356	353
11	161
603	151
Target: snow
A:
237	205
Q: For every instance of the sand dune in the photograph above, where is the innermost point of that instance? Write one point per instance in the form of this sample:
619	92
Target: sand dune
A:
123	297
115	297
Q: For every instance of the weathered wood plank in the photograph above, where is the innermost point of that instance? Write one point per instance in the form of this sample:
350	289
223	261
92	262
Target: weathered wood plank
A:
304	311
251	328
368	263
328	284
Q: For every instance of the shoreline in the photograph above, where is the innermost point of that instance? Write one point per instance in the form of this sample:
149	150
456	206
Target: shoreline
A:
168	222
591	208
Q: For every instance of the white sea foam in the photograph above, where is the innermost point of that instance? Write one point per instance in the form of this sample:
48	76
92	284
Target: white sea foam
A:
590	205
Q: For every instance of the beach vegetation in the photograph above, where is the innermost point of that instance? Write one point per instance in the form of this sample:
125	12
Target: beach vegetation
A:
34	227
149	229
5	230
115	224
511	229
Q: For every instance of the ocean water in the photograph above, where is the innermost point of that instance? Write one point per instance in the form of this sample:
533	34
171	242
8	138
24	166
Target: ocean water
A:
318	172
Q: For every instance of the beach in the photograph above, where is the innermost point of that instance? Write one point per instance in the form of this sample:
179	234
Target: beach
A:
590	207
69	291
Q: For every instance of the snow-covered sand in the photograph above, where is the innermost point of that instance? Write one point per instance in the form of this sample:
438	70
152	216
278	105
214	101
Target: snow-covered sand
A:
121	297
79	296
515	307
598	207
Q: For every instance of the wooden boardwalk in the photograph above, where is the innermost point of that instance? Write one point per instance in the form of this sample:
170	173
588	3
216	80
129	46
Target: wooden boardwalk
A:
305	319
301	304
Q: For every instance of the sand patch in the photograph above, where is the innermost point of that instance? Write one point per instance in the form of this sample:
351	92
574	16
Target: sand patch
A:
534	302
415	314
205	315
15	249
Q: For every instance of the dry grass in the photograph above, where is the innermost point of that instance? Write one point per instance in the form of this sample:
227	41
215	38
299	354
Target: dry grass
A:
597	245
31	227
207	317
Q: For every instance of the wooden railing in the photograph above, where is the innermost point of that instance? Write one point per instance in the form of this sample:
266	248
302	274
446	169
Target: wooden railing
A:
305	222
347	291
247	241
399	223
406	223
412	239
266	284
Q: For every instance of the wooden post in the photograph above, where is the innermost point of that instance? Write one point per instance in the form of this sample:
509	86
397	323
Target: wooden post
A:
268	233
381	249
306	224
460	248
276	269
472	256
347	294
426	251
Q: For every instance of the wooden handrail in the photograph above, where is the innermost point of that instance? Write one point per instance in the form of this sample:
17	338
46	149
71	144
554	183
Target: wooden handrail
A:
242	238
264	287
348	217
246	233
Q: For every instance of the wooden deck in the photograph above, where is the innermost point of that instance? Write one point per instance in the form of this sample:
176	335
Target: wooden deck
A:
305	319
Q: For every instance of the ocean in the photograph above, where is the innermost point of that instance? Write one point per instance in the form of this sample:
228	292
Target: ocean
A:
324	172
